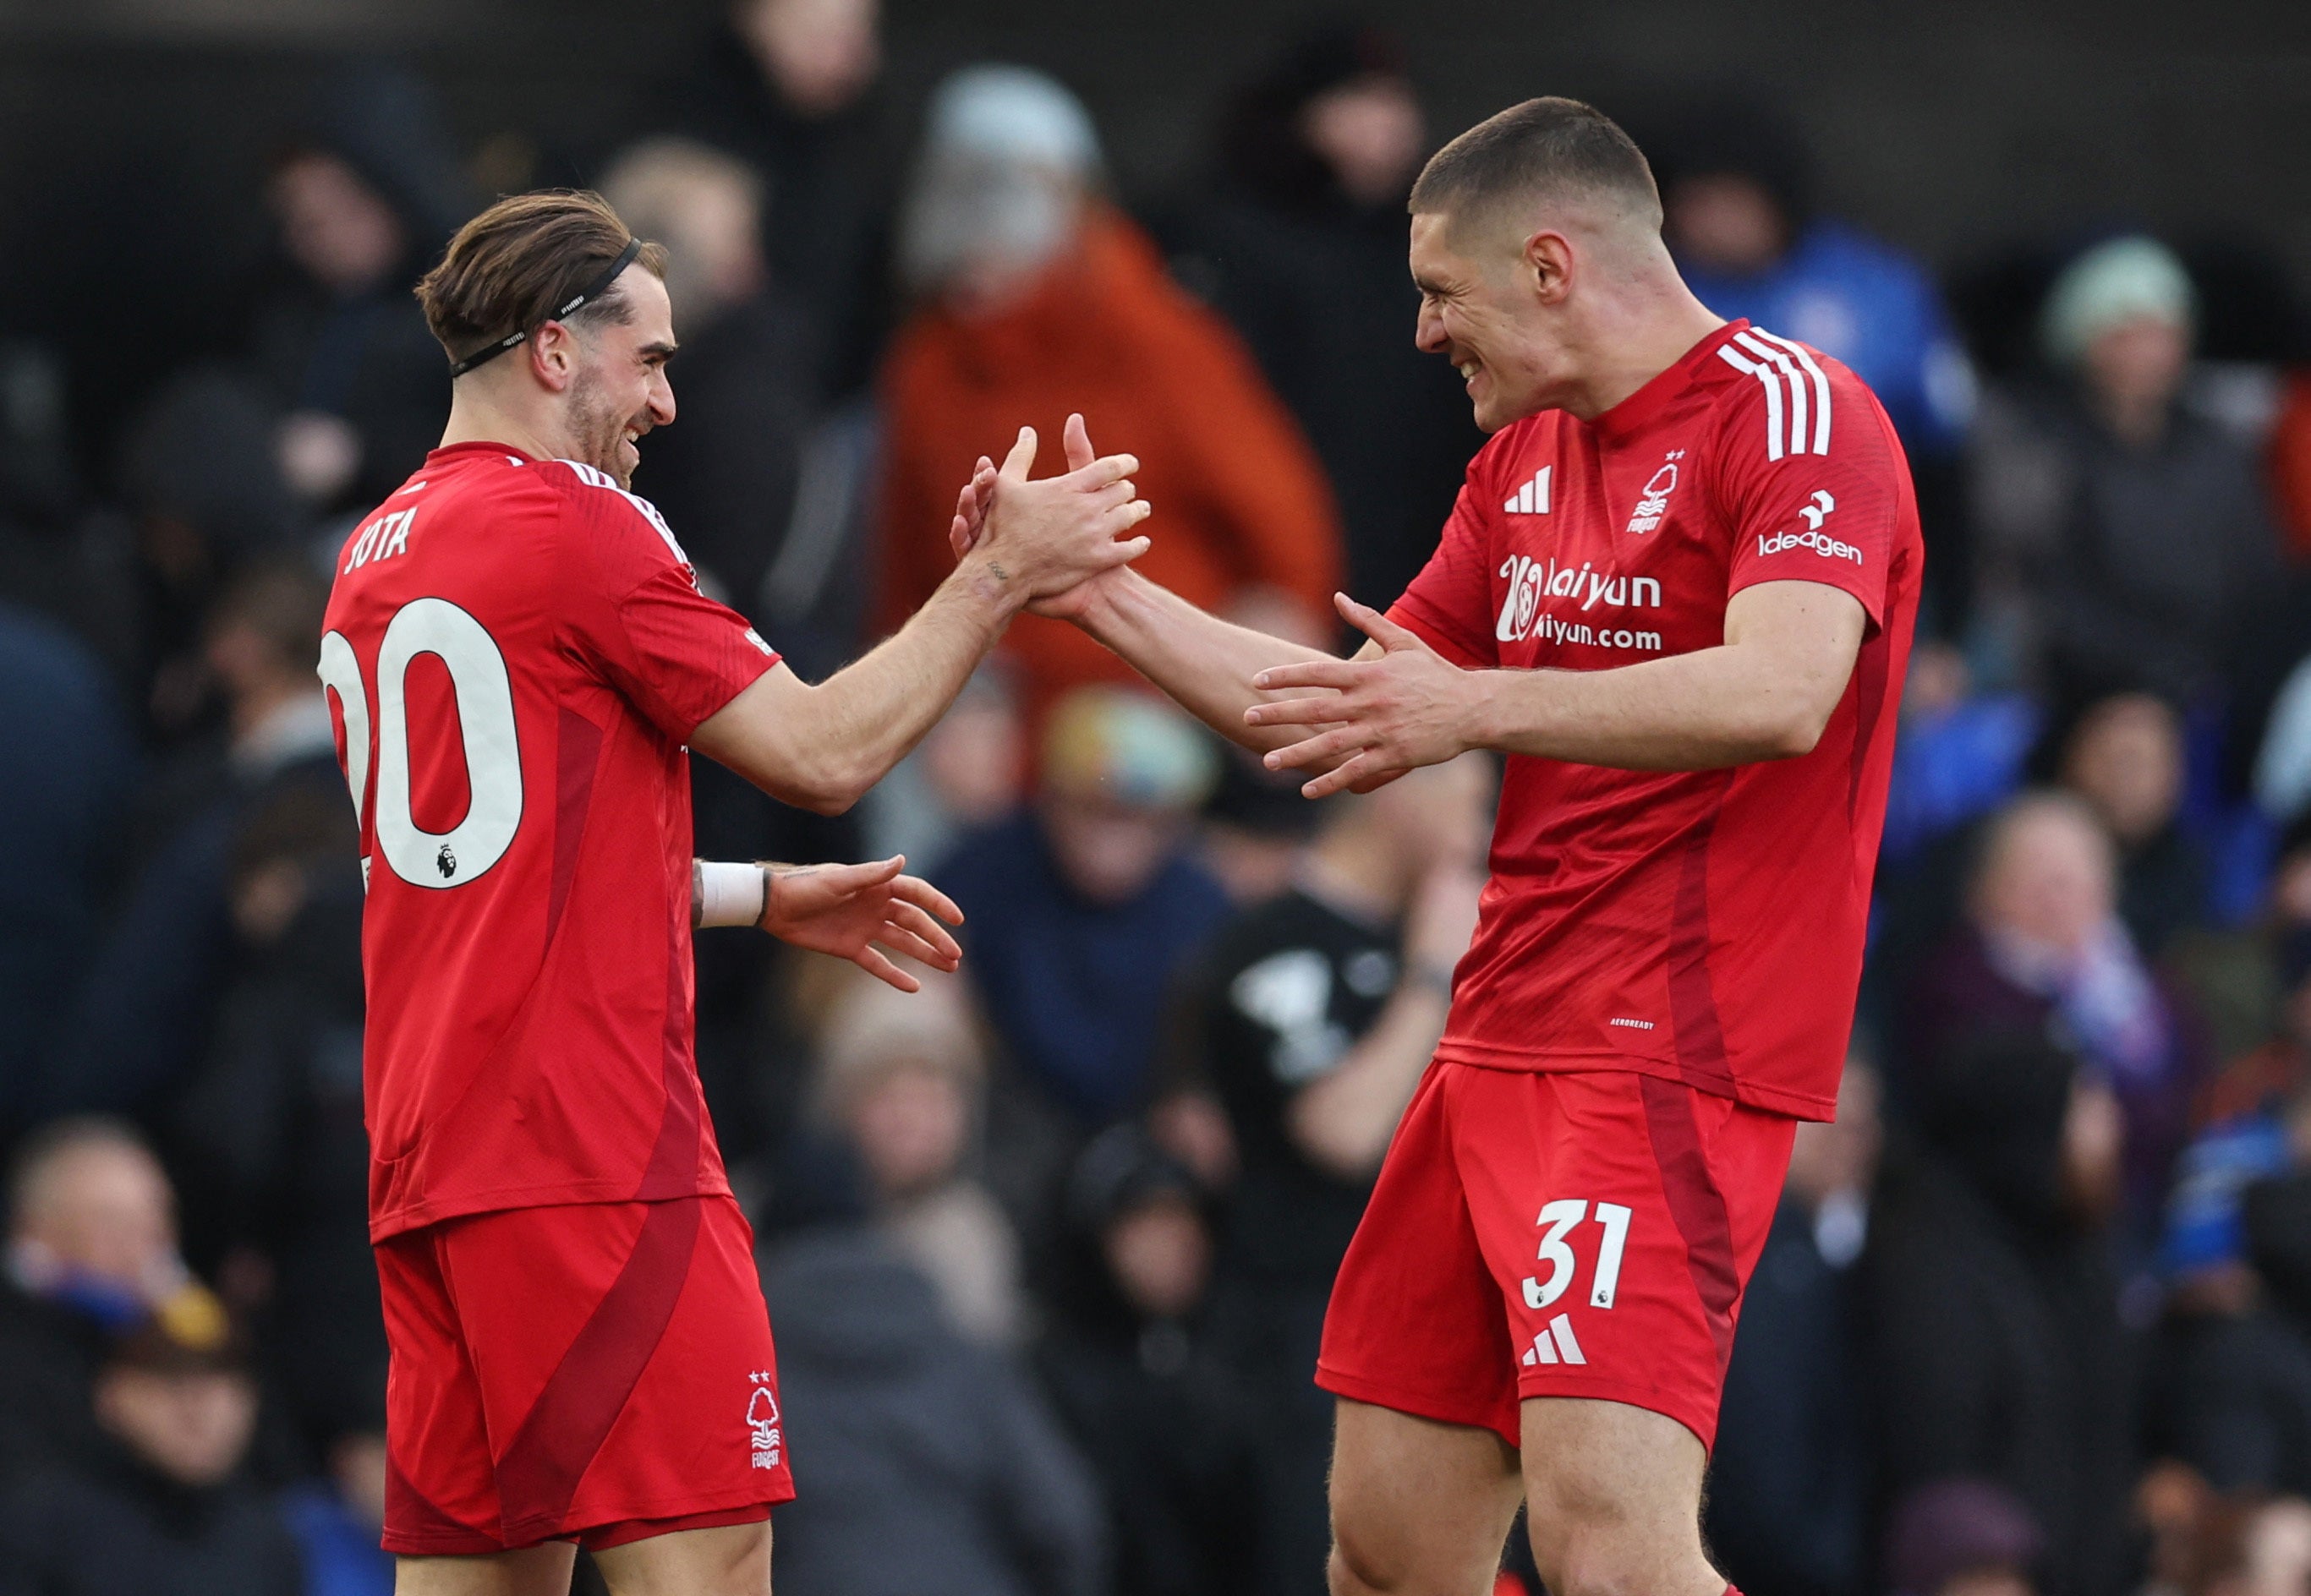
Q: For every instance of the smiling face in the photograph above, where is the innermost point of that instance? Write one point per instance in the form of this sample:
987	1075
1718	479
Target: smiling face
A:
618	389
1488	306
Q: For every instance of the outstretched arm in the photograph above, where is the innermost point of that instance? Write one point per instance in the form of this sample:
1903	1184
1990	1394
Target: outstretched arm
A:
1766	693
1206	663
821	746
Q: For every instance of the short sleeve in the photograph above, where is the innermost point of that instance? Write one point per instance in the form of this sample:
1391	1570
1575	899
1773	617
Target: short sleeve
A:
1809	475
678	654
1449	604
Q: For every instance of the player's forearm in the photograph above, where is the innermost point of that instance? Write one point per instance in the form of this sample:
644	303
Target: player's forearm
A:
1700	711
1342	1123
1204	663
823	747
871	713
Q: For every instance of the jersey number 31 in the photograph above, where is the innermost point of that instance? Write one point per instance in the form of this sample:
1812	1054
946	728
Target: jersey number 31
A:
484	697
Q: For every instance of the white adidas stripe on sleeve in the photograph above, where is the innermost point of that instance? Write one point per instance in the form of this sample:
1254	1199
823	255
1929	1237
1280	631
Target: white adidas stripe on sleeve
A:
1820	385
1771	379
1788	368
1797	391
593	476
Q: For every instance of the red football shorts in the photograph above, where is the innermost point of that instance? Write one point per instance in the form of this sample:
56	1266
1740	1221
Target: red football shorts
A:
1584	1234
597	1373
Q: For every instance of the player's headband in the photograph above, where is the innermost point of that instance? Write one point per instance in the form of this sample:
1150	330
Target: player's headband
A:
567	308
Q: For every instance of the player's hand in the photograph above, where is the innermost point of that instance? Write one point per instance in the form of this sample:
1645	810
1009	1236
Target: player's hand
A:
971	507
978	497
1380	718
1048	534
857	911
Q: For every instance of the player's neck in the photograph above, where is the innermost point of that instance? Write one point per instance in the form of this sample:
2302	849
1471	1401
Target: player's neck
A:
1639	331
479	416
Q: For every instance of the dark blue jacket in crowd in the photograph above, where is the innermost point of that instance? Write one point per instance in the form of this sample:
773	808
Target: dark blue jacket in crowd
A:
149	998
1077	989
66	758
1872	307
1790	1482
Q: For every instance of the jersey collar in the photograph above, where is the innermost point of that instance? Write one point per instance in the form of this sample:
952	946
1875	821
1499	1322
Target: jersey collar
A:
1646	404
453	453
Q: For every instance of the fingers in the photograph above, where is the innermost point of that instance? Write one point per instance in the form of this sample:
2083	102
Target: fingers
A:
1123	517
876	963
971	507
1294	712
921	893
1338	743
1359	774
900	941
1078	443
905	916
1112	555
1100	472
1340	673
1022	457
1375	625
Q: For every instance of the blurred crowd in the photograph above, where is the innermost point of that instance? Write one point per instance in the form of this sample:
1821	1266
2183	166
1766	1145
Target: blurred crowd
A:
1047	1247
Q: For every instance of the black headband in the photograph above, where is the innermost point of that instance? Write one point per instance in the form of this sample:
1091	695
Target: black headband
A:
567	308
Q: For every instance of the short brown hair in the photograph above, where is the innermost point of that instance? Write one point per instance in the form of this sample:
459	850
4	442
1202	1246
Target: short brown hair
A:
509	267
1549	147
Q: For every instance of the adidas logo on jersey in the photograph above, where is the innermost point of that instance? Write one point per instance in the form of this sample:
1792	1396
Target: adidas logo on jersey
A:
1555	1344
1533	498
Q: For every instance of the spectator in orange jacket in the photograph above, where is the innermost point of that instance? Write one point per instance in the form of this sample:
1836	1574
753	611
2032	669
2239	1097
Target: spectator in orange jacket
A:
1037	299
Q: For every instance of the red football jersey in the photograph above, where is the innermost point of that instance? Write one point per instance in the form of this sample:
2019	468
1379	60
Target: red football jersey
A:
1704	925
516	651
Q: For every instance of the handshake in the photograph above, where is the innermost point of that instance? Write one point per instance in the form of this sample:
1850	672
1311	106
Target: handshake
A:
1043	543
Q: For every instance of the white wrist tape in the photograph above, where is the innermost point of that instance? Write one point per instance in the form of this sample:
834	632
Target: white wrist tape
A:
729	893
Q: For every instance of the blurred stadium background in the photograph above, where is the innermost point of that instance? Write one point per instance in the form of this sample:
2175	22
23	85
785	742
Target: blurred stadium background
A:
1046	1249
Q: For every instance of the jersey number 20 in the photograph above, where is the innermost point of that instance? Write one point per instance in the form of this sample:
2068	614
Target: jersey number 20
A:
485	696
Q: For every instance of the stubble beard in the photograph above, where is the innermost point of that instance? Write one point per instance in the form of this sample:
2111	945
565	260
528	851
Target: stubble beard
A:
598	430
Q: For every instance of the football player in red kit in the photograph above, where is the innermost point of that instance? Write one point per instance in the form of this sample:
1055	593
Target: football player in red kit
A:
1678	592
517	656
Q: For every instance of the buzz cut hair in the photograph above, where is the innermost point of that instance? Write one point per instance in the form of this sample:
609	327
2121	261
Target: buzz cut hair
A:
509	266
1544	150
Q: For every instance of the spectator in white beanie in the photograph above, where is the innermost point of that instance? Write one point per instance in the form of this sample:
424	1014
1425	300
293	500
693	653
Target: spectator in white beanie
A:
1010	158
2124	537
2121	318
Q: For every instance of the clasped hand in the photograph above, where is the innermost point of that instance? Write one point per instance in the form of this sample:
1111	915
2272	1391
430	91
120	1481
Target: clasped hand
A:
1375	716
1052	533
